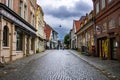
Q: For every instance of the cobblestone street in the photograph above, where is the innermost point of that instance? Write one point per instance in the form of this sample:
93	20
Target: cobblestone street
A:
55	65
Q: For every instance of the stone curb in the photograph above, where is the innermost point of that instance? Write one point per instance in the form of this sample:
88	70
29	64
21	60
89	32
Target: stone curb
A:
106	73
11	66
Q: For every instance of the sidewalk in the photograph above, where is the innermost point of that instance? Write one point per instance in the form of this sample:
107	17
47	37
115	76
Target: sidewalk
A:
110	68
20	63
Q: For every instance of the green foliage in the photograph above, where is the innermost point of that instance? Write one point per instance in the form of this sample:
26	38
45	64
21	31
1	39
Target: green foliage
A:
66	40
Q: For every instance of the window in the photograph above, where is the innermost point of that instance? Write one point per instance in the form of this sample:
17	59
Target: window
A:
103	4
109	1
32	18
97	8
5	36
20	11
111	24
25	12
9	3
19	41
104	27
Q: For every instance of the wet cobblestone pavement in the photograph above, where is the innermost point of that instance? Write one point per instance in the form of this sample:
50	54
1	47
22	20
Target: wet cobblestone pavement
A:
56	65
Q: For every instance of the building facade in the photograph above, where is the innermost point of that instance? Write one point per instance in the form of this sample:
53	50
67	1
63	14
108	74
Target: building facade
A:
86	34
107	24
40	29
51	37
73	37
17	29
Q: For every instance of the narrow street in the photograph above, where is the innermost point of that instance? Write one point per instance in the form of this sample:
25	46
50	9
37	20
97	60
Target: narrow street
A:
56	65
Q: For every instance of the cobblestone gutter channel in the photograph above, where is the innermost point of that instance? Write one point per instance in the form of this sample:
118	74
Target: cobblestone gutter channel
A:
103	71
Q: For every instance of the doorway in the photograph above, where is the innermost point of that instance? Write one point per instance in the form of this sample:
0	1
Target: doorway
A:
113	48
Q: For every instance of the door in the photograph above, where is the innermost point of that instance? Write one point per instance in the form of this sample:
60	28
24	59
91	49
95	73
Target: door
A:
113	48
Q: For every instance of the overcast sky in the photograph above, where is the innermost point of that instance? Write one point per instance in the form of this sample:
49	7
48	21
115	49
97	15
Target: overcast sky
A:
63	12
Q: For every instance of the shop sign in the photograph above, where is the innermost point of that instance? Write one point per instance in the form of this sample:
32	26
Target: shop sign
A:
10	16
98	29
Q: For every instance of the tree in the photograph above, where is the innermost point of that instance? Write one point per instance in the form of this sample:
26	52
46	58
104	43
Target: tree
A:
66	40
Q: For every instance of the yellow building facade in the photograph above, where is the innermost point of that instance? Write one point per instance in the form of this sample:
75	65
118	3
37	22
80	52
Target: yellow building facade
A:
40	29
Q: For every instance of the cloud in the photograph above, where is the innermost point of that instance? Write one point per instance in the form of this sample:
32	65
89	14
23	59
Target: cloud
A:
80	8
63	12
55	22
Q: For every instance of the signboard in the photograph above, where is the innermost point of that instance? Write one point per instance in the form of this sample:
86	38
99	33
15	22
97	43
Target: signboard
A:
98	29
10	16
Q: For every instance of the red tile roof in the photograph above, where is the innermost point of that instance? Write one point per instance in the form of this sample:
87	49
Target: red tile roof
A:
47	30
77	25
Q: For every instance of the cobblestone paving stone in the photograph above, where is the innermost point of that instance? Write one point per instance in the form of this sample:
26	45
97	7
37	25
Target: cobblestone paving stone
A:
110	68
56	65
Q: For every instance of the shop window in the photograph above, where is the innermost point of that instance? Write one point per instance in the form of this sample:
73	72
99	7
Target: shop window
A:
19	41
111	23
103	4
5	36
97	8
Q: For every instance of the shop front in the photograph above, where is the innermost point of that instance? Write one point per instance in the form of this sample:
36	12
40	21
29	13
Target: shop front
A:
14	32
103	45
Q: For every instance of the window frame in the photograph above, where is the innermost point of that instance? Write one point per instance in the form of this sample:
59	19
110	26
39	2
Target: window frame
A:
103	4
109	1
19	41
112	20
97	7
9	3
5	36
103	27
20	8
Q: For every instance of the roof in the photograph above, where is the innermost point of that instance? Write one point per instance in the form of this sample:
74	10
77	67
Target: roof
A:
82	18
77	25
47	30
